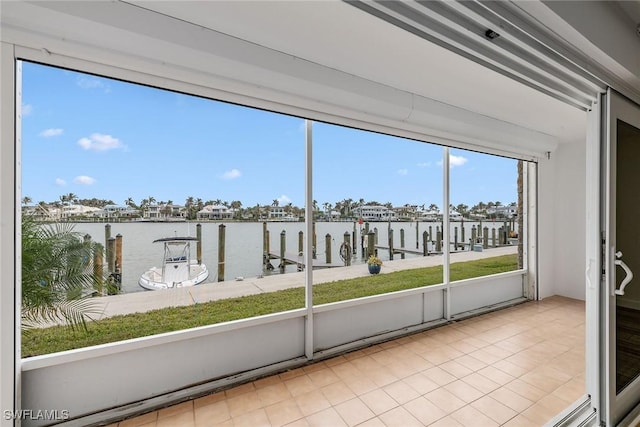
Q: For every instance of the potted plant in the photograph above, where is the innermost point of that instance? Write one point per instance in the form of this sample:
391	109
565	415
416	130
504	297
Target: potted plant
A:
374	263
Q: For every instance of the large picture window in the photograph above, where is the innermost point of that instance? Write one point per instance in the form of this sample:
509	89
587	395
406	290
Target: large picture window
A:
148	211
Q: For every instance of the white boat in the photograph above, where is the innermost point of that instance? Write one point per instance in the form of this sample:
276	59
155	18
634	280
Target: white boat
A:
178	269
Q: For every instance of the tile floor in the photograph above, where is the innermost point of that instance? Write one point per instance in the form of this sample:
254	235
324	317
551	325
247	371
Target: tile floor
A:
515	367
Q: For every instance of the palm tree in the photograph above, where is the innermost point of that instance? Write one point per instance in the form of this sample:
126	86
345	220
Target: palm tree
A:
275	202
26	200
57	278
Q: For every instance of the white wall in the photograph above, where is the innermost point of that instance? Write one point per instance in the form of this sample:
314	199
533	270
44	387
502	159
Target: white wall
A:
561	201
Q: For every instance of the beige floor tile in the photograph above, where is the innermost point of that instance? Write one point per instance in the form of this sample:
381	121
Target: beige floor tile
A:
521	421
546	379
213	413
337	393
284	412
378	401
496	375
312	402
470	362
511	399
401	392
373	422
494	409
539	414
244	403
273	394
361	385
448	421
463	391
241	389
456	369
255	418
300	385
313	367
399	417
323	377
526	390
176	409
181	419
480	382
570	391
439	376
267	381
381	378
354	411
211	398
470	416
326	418
421	383
424	410
402	370
445	400
441	354
302	422
334	361
292	374
510	368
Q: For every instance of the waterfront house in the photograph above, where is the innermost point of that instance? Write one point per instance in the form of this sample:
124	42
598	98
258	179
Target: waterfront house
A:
374	213
215	212
117	211
553	84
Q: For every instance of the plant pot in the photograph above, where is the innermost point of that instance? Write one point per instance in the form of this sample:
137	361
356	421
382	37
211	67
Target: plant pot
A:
374	269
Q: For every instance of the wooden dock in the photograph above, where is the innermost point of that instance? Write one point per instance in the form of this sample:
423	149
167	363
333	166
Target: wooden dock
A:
291	258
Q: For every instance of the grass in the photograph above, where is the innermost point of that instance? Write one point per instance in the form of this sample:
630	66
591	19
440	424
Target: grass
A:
60	338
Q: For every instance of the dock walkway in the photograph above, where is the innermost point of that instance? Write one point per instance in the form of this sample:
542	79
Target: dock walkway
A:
152	300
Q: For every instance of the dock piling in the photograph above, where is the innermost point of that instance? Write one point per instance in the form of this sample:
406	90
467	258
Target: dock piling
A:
425	243
327	248
98	270
199	243
371	244
221	240
390	238
347	253
283	248
485	238
402	242
300	243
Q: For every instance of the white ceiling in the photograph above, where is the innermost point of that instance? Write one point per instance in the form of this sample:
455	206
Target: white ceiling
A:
344	38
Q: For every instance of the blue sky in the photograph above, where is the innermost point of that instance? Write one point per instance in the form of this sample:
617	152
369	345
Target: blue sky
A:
97	137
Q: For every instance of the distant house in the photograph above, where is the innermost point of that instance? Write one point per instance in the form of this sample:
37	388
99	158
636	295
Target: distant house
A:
375	213
40	212
215	212
74	211
117	211
503	211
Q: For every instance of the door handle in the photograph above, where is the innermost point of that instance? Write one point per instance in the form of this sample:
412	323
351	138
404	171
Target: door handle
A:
628	278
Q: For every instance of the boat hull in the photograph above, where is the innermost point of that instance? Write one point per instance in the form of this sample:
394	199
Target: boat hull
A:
153	278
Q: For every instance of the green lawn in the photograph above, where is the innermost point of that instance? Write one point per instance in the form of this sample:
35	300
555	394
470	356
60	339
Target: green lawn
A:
59	338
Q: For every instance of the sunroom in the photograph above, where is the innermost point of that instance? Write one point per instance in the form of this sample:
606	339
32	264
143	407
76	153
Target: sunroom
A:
535	86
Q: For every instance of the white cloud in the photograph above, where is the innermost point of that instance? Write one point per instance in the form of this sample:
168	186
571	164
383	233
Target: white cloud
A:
84	180
100	142
455	161
27	109
60	182
283	200
231	174
424	164
403	172
87	82
47	133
